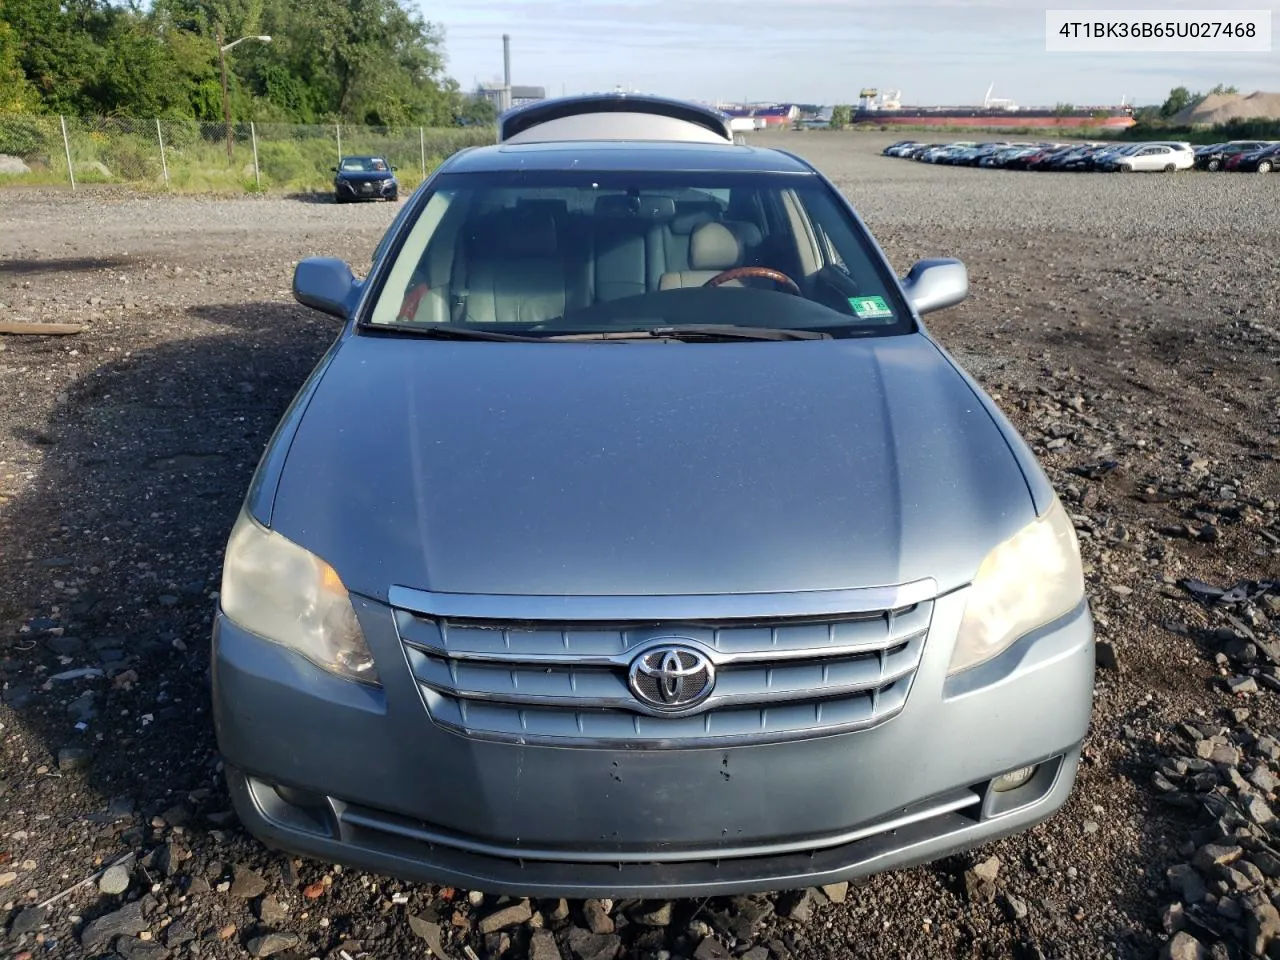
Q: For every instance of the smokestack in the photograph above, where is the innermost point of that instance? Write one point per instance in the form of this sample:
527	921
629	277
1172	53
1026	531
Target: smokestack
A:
505	100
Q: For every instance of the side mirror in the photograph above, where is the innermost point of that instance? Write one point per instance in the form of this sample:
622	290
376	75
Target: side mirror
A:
326	284
394	169
936	284
334	169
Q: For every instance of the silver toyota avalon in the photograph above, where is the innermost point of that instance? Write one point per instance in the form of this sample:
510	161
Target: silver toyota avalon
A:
635	537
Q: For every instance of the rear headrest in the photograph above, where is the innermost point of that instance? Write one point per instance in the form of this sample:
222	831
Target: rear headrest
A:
528	230
635	208
713	246
748	234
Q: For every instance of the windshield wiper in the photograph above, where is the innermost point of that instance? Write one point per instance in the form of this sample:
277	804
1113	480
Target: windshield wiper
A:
449	331
709	331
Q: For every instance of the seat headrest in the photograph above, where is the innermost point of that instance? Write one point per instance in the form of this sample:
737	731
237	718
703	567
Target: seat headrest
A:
527	230
713	246
691	213
635	208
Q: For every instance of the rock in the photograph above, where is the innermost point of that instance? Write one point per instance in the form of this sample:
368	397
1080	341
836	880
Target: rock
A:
178	933
74	758
711	949
247	884
1262	778
1264	926
131	948
980	880
475	898
269	944
1268	747
655	916
272	912
542	946
1216	855
126	921
169	857
837	892
1104	655
13	165
1258	811
511	915
1267	863
1173	918
585	945
1014	907
756	953
1183	946
597	917
1186	882
1239	685
115	881
27	920
798	906
560	912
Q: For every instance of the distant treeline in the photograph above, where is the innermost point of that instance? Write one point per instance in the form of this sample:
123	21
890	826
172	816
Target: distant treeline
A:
1260	128
375	62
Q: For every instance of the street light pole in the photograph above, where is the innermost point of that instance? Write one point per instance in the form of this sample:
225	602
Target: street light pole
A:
222	64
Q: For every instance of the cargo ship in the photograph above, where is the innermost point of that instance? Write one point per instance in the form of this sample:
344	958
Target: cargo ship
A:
875	107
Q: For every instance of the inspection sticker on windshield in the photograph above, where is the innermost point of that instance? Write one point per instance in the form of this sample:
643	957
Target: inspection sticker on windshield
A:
870	308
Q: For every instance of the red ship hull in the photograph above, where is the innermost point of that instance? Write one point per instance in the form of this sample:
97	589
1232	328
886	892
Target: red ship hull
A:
1010	121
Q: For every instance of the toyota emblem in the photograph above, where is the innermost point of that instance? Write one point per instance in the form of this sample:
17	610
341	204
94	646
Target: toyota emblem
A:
671	677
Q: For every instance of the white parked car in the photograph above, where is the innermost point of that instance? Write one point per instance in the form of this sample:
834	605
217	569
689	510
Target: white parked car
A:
1157	156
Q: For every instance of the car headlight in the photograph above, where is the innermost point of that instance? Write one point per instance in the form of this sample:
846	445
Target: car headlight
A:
1031	579
274	588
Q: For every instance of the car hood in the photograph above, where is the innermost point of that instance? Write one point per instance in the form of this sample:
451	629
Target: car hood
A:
641	468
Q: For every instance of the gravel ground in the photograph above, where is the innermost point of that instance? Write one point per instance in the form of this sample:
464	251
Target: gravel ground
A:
1130	327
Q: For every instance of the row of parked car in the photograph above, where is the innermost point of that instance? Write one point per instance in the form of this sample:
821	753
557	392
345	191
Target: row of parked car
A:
1251	156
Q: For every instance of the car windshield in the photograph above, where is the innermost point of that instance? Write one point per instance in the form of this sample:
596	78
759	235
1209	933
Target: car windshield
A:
549	253
363	164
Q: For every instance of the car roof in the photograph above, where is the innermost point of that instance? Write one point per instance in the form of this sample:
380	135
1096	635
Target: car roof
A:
625	155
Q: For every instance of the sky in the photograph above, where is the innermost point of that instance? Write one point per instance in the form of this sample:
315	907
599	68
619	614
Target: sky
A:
824	51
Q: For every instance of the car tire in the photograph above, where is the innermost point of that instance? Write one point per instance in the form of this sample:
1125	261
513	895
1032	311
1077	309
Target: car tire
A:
1213	166
1264	166
1170	167
339	198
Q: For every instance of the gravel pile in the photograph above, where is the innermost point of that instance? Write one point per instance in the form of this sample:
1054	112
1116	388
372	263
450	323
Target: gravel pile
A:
1143	373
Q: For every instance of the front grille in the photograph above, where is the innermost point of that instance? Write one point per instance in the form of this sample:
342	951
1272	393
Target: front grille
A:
567	683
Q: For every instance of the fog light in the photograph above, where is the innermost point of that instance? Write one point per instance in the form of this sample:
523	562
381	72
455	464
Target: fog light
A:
1013	779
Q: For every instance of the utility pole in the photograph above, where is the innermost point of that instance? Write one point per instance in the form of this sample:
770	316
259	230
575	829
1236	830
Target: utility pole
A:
226	99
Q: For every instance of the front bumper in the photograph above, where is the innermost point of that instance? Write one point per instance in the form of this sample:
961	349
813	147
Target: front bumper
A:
345	773
366	189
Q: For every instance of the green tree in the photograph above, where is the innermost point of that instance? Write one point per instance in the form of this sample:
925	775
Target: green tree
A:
17	95
1179	99
1223	88
841	116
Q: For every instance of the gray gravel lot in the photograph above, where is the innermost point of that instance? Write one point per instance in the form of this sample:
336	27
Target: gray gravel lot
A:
1128	325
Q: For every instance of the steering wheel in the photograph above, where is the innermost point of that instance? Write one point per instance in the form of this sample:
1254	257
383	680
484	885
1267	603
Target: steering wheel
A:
765	273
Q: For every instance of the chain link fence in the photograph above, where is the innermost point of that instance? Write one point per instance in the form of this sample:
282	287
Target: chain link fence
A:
186	155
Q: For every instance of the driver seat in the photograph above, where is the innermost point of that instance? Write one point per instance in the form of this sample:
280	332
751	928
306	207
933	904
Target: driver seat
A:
714	247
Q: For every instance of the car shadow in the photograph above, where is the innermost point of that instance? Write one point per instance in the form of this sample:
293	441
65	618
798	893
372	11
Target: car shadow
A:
108	575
